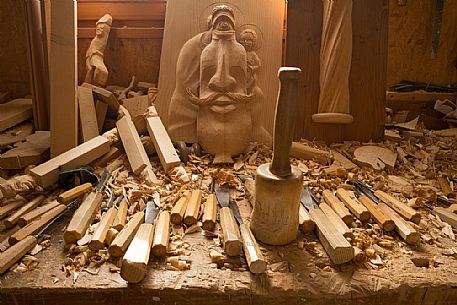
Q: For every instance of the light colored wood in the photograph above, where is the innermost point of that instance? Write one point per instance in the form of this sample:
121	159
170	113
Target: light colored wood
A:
16	134
403	228
36	213
401	208
36	225
136	154
162	143
209	213
381	218
337	222
305	152
82	217
101	109
358	209
111	234
15	112
337	247
161	234
377	157
10	208
87	114
254	257
12	220
74	193
179	209
268	18
137	107
337	206
123	239
453	208
444	185
33	151
305	222
120	10
114	153
99	238
121	215
193	208
446	216
63	77
135	260
47	174
230	232
359	256
104	95
16	252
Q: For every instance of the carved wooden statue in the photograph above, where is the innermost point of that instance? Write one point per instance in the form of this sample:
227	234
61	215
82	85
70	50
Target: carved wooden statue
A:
97	73
335	63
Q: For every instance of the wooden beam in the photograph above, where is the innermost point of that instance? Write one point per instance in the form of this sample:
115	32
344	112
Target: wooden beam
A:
15	112
87	114
122	10
419	96
63	77
125	33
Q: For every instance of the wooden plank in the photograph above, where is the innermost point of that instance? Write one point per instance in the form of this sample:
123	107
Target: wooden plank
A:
358	209
162	143
124	33
136	153
137	107
104	95
401	208
87	114
446	216
337	222
16	134
419	96
15	112
47	173
33	151
63	77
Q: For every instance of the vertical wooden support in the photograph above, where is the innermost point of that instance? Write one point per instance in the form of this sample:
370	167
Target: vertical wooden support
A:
63	77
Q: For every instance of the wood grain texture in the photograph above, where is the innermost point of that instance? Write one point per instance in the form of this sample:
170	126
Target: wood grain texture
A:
193	208
15	112
336	221
14	253
337	206
403	228
99	238
74	193
381	218
369	22
209	213
304	221
36	213
14	218
87	114
123	239
179	209
358	209
401	208
230	232
161	235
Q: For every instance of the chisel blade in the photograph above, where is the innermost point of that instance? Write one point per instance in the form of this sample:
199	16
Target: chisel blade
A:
223	196
236	211
307	200
151	211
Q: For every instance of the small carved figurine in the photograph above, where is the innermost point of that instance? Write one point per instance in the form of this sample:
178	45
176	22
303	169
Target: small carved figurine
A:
97	73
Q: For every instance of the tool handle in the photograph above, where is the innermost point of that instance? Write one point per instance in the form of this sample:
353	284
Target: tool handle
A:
124	238
304	220
231	233
381	218
16	252
286	110
99	237
209	213
121	216
161	234
401	208
403	228
179	209
193	208
254	256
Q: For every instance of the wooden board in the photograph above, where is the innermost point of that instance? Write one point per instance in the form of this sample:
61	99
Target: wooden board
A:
192	16
63	77
15	112
87	114
369	23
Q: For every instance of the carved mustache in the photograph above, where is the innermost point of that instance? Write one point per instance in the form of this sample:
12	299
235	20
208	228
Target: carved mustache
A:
238	98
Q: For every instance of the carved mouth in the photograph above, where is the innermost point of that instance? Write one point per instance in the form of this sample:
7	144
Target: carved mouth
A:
220	97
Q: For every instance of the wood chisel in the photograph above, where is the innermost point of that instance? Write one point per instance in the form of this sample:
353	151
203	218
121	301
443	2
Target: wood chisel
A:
210	209
99	237
230	231
254	256
136	259
381	218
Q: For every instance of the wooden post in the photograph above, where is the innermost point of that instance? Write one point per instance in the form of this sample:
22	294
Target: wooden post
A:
63	77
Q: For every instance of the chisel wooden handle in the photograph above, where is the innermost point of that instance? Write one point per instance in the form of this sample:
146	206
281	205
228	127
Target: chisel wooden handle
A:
381	218
99	237
124	238
193	208
209	213
36	213
82	217
135	260
403	228
179	209
14	218
304	221
230	231
161	234
16	252
254	256
337	206
358	209
74	193
406	211
121	216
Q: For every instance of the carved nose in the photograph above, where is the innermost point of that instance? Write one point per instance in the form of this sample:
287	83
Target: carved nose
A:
222	81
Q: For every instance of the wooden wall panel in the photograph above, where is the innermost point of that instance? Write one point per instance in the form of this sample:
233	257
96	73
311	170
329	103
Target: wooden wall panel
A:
410	43
368	70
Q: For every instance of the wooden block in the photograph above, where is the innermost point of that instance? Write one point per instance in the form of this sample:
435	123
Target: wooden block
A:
15	112
74	193
446	216
161	234
82	218
337	206
230	232
209	213
121	216
193	208
359	210
305	152
376	157
401	208
137	107
337	222
10	208
36	225
36	213
135	260
16	134
123	239
381	218
101	109
16	252
305	222
337	247
87	114
99	237
132	144
179	209
14	218
403	228
33	151
47	174
63	71
162	143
